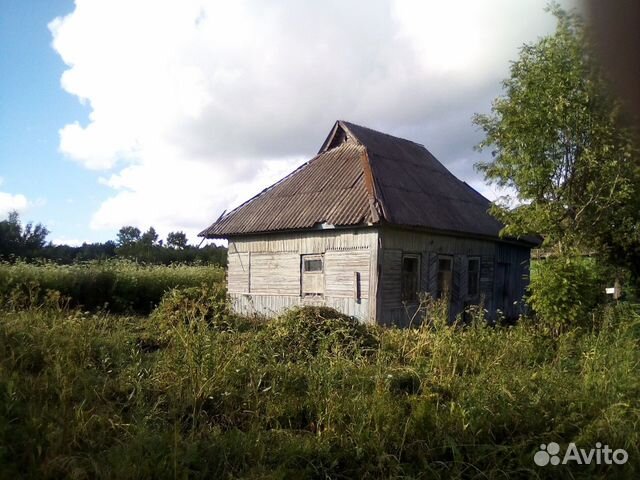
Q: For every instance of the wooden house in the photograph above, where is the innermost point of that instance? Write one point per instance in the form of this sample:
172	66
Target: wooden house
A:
366	226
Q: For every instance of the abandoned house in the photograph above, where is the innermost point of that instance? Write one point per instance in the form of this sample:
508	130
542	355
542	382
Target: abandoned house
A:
367	226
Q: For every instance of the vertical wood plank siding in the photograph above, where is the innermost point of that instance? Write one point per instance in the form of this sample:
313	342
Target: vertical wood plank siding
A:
518	258
391	277
395	242
264	271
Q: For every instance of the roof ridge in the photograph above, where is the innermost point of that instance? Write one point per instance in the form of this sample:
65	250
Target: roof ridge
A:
346	124
376	199
393	181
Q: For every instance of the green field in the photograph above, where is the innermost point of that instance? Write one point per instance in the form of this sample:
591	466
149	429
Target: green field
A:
192	391
120	286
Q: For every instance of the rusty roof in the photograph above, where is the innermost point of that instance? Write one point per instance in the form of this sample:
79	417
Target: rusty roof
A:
364	177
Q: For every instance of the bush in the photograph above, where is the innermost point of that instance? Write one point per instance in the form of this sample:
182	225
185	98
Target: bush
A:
206	303
565	290
306	331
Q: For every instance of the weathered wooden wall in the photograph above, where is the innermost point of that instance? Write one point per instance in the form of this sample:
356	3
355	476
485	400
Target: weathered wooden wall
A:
265	271
492	255
362	272
517	281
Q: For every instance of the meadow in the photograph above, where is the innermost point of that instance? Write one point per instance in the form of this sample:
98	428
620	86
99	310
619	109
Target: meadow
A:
193	391
119	286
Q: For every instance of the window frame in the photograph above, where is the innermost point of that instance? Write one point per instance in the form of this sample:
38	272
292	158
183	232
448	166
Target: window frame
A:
470	259
312	273
413	296
312	257
439	292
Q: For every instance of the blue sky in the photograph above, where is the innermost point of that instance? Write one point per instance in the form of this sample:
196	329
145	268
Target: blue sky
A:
34	107
139	112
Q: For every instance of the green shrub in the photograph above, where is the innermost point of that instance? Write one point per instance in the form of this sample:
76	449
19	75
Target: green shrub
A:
564	291
305	331
206	302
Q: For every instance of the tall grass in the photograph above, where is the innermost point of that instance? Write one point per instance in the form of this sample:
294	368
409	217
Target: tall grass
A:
198	393
117	285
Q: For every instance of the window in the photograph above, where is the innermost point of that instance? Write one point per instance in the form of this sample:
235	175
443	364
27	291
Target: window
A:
312	264
410	278
312	275
473	280
445	277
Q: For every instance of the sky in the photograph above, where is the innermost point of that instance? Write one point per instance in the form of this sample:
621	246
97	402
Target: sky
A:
166	113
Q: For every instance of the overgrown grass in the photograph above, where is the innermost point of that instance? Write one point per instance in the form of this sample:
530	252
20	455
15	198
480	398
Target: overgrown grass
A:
194	392
116	285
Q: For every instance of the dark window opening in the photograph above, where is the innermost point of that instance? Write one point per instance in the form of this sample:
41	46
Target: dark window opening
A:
410	278
445	276
473	279
313	265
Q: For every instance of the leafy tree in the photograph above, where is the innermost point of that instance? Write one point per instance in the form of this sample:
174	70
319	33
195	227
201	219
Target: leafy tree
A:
10	234
149	238
127	236
177	240
559	141
565	289
19	241
34	237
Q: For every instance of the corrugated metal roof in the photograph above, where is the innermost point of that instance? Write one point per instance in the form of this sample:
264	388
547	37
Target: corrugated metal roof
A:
330	189
362	177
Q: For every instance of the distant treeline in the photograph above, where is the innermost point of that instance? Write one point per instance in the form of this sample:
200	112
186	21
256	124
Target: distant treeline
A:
29	242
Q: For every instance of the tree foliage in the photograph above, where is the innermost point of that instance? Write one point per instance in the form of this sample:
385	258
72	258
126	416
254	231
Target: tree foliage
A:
564	290
18	240
149	238
559	141
29	243
128	235
177	240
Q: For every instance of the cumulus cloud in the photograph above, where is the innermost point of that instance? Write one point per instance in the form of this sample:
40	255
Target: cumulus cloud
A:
196	105
70	241
10	202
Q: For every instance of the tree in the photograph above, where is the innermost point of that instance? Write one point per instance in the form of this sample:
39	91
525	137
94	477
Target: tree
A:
16	240
10	234
128	236
34	237
559	141
149	238
177	240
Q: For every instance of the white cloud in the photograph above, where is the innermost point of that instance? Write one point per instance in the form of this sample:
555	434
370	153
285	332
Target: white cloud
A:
196	105
10	202
71	241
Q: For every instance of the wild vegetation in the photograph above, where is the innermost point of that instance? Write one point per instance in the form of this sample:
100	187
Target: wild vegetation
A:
123	370
561	142
114	285
192	391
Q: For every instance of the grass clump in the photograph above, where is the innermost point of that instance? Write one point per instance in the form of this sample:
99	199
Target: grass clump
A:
304	332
